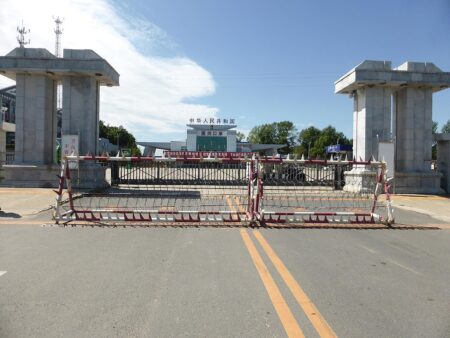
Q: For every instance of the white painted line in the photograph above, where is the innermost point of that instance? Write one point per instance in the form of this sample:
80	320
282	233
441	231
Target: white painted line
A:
2	273
389	260
402	266
368	249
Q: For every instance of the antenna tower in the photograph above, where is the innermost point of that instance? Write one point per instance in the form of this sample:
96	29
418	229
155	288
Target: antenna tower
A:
58	31
21	37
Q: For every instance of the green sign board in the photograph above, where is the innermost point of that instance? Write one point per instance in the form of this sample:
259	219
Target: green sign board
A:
211	143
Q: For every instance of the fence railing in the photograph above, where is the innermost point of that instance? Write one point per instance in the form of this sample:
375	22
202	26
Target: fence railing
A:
253	190
175	173
149	172
9	158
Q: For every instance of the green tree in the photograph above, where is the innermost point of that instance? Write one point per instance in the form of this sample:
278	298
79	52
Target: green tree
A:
264	133
274	133
434	127
240	137
119	135
306	139
313	141
434	130
446	127
285	134
328	136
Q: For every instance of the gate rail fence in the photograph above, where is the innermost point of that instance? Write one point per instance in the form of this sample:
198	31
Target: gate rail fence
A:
265	190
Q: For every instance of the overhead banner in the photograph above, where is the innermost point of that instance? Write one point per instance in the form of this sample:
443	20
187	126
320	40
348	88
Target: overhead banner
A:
198	154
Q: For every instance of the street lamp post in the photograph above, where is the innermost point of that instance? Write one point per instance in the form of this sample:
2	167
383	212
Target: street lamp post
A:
337	150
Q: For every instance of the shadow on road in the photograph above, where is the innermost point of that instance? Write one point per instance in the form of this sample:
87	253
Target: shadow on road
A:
9	214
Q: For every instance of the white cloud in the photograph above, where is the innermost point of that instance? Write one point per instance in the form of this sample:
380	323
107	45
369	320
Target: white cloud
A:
153	90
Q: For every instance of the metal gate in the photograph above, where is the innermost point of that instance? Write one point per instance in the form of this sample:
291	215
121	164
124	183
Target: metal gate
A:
313	191
148	172
227	190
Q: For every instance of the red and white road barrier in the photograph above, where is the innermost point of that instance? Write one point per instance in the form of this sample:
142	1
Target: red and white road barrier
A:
318	217
253	210
107	215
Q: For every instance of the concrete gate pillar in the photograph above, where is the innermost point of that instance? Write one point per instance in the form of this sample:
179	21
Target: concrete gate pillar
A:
36	71
371	123
409	124
81	111
371	120
35	119
414	129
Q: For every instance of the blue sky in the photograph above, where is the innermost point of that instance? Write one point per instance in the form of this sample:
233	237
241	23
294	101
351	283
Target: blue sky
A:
255	61
274	60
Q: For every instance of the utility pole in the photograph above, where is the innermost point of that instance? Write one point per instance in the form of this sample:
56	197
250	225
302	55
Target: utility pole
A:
21	37
58	31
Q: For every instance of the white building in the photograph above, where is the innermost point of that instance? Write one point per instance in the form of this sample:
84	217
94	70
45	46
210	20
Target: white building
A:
210	135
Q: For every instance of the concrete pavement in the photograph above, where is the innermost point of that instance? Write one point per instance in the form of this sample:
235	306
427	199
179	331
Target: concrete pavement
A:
435	206
203	282
25	203
213	282
129	283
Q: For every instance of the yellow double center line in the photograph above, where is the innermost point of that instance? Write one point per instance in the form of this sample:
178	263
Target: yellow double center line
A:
311	311
230	203
284	313
287	319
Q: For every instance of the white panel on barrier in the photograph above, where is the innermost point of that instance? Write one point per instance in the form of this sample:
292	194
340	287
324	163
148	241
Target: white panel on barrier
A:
386	153
70	146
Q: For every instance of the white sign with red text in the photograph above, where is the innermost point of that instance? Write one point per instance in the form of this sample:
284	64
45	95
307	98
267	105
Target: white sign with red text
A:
70	145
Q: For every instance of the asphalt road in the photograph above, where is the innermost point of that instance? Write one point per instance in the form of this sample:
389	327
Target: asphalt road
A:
217	282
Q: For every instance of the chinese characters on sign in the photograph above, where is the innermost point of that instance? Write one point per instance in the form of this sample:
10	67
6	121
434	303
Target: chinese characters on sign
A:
198	154
69	146
212	133
211	121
